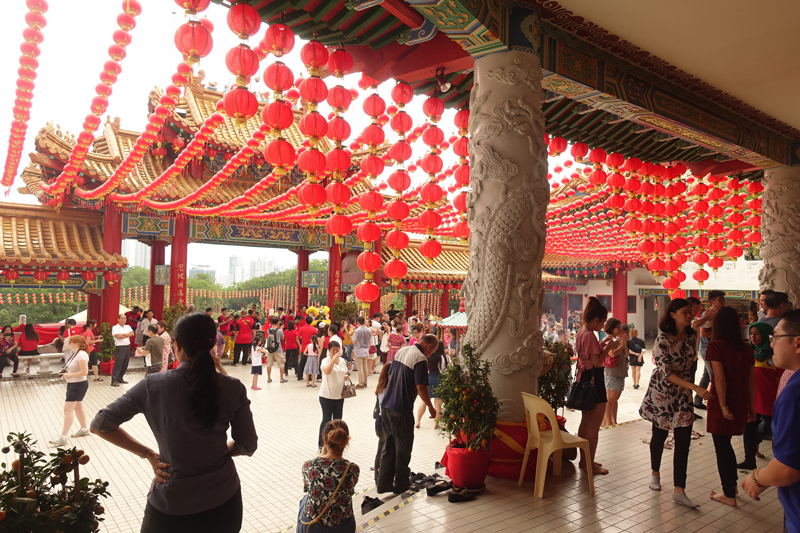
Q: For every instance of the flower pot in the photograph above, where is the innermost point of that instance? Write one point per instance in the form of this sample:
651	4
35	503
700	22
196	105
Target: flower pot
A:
106	367
467	469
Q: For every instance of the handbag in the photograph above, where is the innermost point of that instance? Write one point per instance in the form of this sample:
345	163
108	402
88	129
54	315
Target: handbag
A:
611	362
582	396
327	505
348	389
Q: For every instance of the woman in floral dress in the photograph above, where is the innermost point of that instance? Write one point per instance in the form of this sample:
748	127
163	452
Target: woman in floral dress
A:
396	341
329	482
668	400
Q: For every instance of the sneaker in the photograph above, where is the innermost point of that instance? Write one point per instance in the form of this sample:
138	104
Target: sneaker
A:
81	433
59	441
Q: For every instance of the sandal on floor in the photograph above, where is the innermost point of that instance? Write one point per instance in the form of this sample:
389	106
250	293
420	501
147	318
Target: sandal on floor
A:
462	496
98	379
439	486
17	375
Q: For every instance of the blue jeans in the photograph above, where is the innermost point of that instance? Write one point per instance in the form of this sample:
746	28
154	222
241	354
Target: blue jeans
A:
348	526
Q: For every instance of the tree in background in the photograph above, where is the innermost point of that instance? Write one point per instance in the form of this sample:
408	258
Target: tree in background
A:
41	313
204	281
286	277
135	276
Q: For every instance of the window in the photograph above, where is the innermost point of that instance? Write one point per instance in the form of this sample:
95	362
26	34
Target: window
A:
576	302
631	304
605	300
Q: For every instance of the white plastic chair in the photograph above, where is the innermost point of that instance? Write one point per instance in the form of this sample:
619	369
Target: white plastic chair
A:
548	442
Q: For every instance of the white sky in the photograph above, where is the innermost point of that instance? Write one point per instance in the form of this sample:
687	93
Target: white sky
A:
75	45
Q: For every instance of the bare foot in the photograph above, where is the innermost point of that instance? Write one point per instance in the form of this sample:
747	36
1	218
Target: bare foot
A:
721	498
596	464
596	470
416	426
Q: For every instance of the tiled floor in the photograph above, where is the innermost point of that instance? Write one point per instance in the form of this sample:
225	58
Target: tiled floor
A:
287	419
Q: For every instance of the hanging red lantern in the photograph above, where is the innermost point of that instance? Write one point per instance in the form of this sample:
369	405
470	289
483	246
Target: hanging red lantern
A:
369	261
558	145
243	20
240	104
241	62
88	276
62	276
397	240
430	249
339	225
193	6
193	40
367	291
314	55
278	40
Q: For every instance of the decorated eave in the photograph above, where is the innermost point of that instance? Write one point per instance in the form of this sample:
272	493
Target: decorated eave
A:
36	238
450	266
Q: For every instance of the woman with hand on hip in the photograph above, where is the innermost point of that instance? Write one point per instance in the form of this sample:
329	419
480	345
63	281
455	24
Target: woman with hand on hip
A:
732	405
636	349
668	401
74	373
196	487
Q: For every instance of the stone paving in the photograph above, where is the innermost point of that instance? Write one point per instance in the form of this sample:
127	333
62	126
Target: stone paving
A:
287	419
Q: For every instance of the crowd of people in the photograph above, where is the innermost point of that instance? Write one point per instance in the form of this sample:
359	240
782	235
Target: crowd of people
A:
746	388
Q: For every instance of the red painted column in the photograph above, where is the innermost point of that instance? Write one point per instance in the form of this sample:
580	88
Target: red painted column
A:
619	300
444	303
409	304
157	258
112	243
375	306
334	274
94	308
302	266
177	269
565	309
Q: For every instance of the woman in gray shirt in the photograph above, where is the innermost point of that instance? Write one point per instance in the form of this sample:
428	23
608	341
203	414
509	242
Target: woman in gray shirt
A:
196	487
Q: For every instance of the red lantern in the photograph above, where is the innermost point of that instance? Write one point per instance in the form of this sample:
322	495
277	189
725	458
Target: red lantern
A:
371	201
193	6
433	108
397	240
279	39
88	276
369	261
240	104
311	195
367	291
193	40
278	77
339	225
241	61
558	145
340	62
278	115
314	55
62	276
243	20
396	269
369	232
430	249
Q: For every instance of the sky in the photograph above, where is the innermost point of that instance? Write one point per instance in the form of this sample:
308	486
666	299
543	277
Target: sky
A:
76	39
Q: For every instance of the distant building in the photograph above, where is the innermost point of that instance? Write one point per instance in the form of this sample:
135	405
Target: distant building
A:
261	267
202	269
137	253
234	263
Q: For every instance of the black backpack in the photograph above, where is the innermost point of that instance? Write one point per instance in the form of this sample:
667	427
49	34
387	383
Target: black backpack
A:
272	340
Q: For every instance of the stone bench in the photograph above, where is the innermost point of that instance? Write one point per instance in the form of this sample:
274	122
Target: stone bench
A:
44	361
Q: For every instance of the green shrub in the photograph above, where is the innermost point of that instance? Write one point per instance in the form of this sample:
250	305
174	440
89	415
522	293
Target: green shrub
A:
554	386
344	311
172	313
469	407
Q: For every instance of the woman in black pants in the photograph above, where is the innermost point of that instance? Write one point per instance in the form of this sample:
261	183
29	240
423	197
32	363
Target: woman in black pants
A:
8	350
668	400
189	409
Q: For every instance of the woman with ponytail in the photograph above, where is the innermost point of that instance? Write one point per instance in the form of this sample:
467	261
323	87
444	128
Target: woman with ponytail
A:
189	410
329	482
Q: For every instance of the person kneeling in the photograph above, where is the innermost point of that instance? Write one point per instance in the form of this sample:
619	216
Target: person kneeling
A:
329	482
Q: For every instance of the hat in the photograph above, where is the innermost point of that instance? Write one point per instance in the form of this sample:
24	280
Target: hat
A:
559	327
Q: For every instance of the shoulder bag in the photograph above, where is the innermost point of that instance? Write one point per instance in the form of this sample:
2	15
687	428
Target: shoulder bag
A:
611	362
327	505
582	396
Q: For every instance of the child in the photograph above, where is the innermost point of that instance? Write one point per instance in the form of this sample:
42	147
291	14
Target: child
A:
417	335
396	341
312	362
255	364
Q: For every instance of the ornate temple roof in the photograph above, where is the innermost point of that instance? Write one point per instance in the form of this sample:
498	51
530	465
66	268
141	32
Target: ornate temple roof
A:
451	265
40	237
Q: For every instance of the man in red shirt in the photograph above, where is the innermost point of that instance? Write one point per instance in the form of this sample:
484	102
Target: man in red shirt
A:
305	334
224	321
132	319
244	339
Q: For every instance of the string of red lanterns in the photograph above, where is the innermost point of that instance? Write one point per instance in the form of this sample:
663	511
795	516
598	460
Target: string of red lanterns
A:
111	70
28	63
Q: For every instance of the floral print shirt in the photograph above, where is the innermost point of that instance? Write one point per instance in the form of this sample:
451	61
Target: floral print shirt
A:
665	404
320	478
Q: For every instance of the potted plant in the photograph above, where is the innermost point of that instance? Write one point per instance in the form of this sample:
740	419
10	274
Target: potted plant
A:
172	313
48	495
469	417
106	351
344	311
554	385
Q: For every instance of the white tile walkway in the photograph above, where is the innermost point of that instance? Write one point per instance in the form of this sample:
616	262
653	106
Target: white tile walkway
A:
287	419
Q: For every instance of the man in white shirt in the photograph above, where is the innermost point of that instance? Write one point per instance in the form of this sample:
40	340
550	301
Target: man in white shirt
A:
361	343
122	334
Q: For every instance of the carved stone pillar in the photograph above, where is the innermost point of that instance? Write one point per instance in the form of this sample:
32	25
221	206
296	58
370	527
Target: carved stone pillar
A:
780	245
506	212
